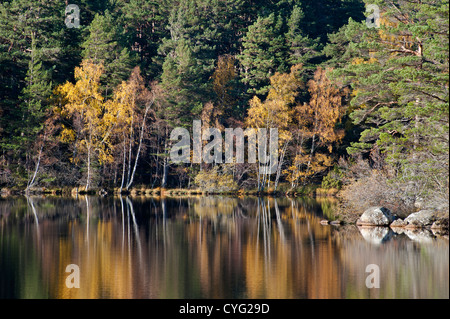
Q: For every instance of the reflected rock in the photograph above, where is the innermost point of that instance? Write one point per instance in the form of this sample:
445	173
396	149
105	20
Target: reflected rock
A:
440	227
376	235
398	230
439	232
333	222
420	235
441	223
375	216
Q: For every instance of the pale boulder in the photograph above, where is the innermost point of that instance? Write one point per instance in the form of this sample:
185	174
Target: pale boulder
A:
420	219
376	216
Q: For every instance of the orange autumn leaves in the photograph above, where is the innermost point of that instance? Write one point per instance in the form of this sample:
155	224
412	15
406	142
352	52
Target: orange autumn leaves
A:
310	128
102	129
94	125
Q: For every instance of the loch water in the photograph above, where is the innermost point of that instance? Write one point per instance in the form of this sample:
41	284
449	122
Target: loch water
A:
209	247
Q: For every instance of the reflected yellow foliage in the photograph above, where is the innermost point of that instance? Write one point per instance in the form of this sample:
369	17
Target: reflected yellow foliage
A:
219	247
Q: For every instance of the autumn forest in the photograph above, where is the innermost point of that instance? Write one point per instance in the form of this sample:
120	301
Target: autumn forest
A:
361	108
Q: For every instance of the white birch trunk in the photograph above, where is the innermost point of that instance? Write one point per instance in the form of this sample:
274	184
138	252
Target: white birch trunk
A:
123	164
31	183
141	138
88	169
280	164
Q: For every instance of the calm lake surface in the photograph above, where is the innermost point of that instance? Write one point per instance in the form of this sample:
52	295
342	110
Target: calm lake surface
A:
208	247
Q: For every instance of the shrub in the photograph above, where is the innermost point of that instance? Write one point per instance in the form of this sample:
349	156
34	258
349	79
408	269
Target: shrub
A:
377	189
215	180
332	180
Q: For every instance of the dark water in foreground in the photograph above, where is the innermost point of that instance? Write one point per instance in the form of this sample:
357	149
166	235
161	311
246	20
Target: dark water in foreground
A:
208	247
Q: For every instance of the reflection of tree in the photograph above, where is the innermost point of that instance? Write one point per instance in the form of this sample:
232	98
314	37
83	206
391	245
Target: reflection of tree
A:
107	266
130	209
273	269
214	206
206	251
20	269
197	248
408	269
35	215
279	224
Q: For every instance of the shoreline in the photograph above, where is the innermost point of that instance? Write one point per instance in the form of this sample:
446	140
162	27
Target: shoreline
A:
342	215
309	191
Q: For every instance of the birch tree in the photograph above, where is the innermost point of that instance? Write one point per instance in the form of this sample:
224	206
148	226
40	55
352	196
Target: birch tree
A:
83	104
128	114
276	112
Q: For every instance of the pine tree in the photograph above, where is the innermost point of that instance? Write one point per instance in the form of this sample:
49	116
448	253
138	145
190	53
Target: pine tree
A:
104	45
182	85
344	45
323	17
190	56
232	18
145	27
301	47
30	49
35	95
263	54
400	88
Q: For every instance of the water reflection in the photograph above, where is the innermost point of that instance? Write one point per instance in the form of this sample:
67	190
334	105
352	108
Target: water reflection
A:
420	235
207	247
376	235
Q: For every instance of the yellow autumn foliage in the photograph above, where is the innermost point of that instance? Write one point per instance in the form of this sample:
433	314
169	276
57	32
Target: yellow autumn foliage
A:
276	111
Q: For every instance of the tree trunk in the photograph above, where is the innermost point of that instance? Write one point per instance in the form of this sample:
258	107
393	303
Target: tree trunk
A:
283	152
123	164
165	171
310	158
88	180
130	146
165	163
31	183
141	138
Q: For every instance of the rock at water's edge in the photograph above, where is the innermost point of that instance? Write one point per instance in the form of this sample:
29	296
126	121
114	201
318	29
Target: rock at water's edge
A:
376	216
420	219
398	223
